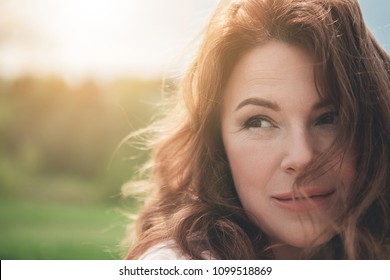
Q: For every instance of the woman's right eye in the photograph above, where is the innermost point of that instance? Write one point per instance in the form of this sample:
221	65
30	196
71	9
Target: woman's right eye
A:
258	122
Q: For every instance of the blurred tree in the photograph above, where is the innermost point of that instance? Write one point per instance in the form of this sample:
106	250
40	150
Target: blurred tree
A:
52	129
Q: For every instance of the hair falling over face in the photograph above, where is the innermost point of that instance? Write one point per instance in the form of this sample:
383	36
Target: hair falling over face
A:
195	200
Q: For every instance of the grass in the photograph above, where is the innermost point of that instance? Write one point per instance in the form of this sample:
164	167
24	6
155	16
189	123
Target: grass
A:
54	231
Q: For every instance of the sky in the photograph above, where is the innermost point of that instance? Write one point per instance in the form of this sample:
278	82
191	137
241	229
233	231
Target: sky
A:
105	39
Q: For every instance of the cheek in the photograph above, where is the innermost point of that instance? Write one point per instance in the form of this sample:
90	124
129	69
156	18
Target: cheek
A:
251	173
251	165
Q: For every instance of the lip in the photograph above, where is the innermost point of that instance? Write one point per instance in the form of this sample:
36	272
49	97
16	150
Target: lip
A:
315	198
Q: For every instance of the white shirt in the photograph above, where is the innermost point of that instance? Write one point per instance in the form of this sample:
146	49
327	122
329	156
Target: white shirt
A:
169	251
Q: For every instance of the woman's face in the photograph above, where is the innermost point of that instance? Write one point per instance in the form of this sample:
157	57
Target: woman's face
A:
274	124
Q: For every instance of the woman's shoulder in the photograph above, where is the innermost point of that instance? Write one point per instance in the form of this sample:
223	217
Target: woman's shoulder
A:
164	251
169	250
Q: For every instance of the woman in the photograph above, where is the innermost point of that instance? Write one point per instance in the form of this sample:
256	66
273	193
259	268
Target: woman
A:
280	147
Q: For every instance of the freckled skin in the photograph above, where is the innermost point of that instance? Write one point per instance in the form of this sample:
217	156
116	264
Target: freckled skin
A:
274	124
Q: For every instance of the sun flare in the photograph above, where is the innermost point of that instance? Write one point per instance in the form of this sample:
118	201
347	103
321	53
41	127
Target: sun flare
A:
97	38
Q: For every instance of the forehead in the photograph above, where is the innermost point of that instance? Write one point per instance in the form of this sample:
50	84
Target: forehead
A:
272	60
275	70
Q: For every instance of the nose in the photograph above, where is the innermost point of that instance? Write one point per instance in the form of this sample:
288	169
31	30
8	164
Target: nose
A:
299	151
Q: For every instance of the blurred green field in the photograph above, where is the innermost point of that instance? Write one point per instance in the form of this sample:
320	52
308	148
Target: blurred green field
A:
31	230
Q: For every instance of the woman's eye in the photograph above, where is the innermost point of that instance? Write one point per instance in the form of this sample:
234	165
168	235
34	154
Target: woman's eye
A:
328	118
258	122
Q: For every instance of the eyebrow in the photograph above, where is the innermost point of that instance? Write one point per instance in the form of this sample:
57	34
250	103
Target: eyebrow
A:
258	102
274	106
